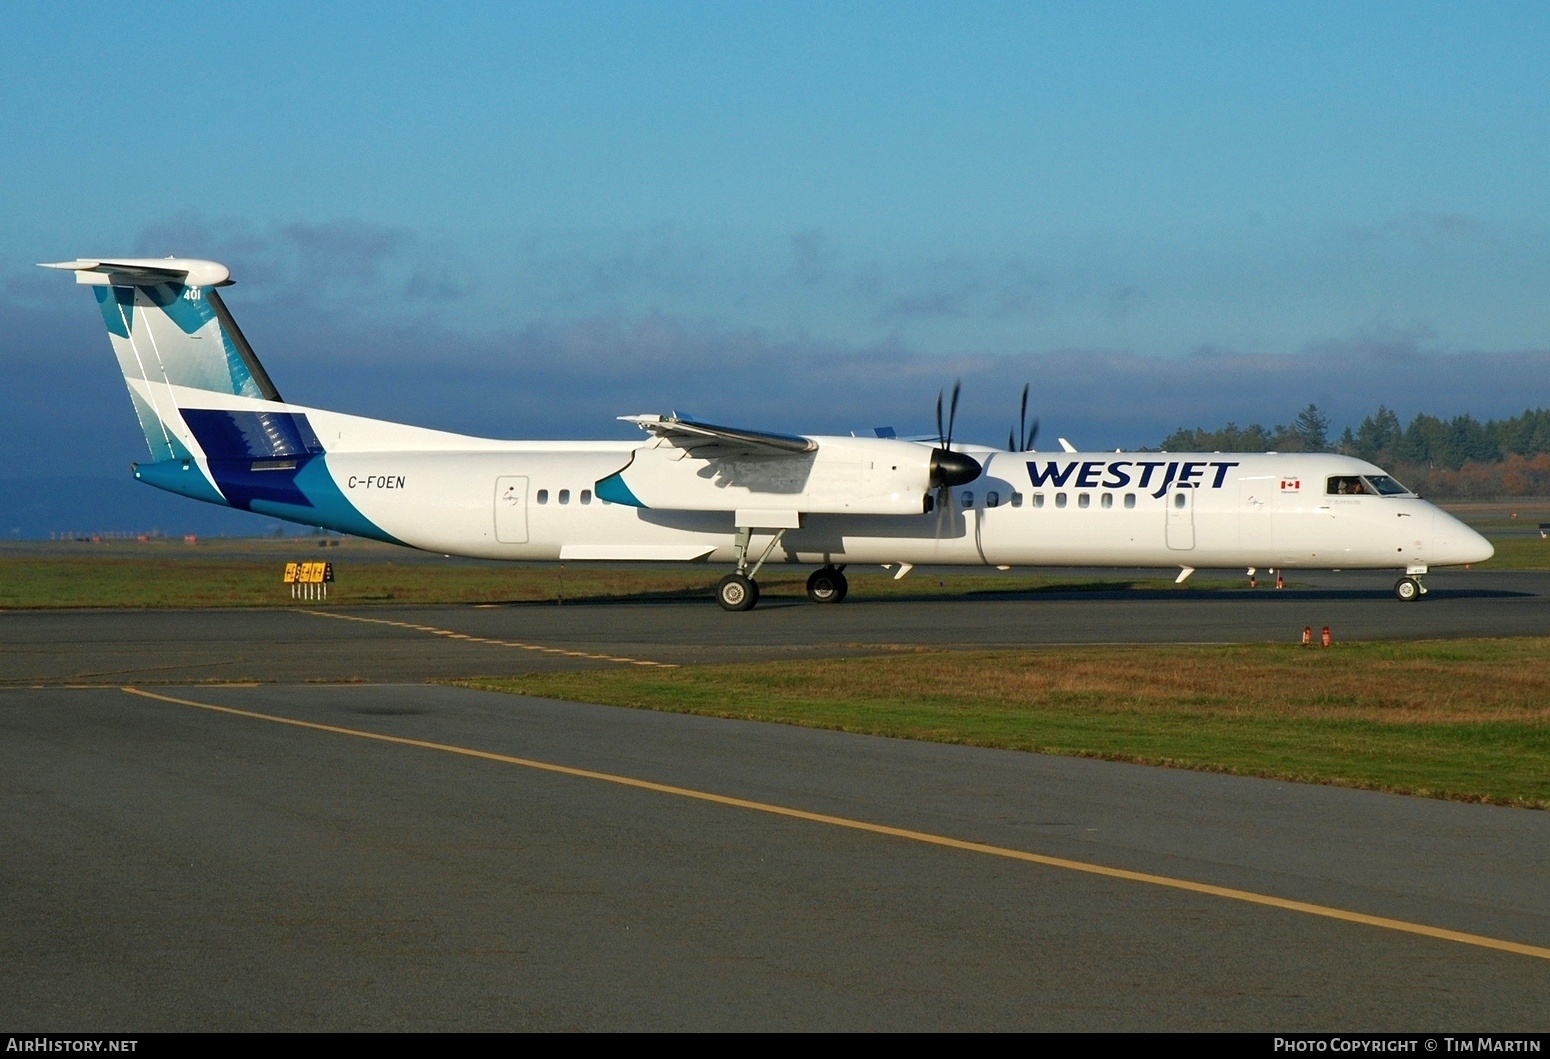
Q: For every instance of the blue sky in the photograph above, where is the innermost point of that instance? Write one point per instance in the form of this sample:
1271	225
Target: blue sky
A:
525	219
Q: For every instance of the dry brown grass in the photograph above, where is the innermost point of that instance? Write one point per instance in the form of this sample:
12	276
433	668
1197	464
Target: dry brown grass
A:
1346	682
1451	719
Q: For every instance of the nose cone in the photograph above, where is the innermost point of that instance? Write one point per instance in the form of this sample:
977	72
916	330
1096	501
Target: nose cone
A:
953	468
1454	544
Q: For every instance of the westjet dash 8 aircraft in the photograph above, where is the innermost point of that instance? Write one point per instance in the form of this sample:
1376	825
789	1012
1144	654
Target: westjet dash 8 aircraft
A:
219	431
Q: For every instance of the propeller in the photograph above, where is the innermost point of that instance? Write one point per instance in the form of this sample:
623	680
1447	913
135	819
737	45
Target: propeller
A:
1022	440
949	468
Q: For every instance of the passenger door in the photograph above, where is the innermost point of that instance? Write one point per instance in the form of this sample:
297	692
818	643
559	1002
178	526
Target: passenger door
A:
511	509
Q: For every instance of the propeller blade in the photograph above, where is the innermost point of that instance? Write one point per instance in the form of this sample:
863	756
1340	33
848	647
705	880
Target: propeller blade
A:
1033	432
1011	442
952	415
1022	423
949	468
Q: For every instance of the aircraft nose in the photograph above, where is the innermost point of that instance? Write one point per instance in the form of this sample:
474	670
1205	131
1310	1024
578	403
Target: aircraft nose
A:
1454	543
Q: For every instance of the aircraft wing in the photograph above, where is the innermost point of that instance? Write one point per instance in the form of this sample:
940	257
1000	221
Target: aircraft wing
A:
708	441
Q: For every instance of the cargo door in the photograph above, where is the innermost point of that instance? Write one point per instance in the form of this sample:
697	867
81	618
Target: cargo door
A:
1255	497
1181	518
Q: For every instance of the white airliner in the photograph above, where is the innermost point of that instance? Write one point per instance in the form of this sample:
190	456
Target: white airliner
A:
695	492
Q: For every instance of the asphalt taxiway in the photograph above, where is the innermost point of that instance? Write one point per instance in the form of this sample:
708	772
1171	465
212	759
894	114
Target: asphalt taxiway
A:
302	853
321	642
412	857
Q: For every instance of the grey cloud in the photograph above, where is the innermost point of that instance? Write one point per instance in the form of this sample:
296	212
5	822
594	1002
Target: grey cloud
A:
1419	226
434	285
287	256
955	288
810	255
251	256
360	269
576	268
1123	301
571	378
349	248
1379	342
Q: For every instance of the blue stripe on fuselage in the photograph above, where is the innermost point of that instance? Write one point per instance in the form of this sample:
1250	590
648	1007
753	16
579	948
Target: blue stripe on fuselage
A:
227	435
256	455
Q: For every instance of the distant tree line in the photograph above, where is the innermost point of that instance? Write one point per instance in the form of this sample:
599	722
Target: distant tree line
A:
1458	457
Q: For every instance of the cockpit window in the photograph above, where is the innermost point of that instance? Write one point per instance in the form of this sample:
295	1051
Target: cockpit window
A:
1383	485
1364	485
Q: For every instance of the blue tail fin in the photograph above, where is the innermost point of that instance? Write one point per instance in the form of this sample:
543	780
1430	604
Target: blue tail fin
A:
171	333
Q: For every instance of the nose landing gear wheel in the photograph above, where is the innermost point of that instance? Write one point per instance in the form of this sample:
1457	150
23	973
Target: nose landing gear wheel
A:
827	585
1407	590
736	592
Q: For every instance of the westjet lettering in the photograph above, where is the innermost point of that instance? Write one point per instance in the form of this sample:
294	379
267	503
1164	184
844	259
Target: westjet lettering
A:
1117	474
689	491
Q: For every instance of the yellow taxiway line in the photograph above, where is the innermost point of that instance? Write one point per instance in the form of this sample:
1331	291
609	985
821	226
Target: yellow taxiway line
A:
492	642
1225	892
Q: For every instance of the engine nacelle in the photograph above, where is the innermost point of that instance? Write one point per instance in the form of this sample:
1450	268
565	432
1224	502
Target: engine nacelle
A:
843	475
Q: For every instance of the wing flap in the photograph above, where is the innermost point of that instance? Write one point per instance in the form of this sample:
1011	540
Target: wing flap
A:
709	441
681	553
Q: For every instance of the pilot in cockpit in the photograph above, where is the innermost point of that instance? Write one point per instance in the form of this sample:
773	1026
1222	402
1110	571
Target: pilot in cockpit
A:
1350	485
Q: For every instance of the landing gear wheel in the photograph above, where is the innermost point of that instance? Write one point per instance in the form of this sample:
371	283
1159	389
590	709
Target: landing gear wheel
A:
736	592
1408	590
827	585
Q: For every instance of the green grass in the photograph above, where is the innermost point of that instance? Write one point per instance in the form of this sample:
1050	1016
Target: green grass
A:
132	574
1519	553
246	573
1510	525
1461	719
1466	720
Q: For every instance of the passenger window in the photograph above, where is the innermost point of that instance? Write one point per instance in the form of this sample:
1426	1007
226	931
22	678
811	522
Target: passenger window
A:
1038	499
543	496
1017	499
992	498
1060	499
967	499
564	496
586	496
1130	500
1083	499
1180	499
1108	500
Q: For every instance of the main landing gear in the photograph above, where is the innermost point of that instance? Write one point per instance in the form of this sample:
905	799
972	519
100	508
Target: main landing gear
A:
740	591
827	585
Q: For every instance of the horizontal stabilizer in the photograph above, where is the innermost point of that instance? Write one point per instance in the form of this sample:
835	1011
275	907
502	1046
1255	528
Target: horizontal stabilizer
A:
146	271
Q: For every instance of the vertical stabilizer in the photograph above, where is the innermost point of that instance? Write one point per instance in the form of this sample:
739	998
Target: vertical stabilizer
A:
171	333
217	428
